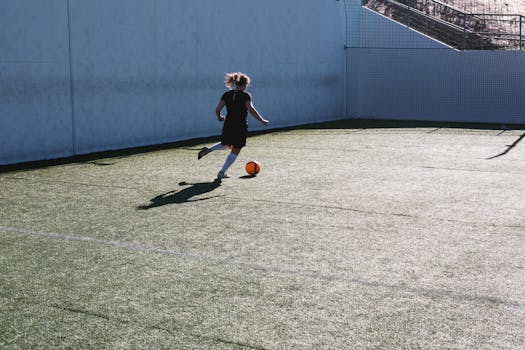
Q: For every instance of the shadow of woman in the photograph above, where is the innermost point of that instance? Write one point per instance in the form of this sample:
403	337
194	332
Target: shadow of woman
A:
182	196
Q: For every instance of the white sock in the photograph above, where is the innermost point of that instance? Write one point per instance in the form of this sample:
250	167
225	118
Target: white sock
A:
218	146
229	161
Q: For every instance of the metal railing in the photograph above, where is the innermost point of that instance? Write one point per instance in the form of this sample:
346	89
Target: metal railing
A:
456	27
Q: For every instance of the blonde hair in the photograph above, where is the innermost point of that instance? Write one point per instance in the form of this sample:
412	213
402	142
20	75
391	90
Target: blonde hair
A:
237	78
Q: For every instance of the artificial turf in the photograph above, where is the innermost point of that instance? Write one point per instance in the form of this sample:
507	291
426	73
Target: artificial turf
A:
353	236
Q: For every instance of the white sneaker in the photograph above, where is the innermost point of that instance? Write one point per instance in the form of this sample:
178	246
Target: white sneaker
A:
222	175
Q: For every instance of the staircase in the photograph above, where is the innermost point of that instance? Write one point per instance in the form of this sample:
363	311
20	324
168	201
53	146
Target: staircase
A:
453	26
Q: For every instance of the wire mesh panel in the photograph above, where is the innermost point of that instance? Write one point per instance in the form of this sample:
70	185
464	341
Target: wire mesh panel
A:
461	27
426	60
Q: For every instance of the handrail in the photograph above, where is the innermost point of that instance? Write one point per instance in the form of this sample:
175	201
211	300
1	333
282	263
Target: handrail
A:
419	12
475	27
447	5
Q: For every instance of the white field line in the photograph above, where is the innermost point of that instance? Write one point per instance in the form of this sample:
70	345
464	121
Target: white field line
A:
115	244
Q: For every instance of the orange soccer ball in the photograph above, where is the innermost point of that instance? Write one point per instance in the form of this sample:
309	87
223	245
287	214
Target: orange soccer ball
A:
253	167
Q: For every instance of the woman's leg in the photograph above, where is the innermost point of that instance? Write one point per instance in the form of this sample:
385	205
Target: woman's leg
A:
229	161
220	147
215	147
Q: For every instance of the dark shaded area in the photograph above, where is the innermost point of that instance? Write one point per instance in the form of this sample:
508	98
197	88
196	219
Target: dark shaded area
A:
509	147
183	196
247	177
95	158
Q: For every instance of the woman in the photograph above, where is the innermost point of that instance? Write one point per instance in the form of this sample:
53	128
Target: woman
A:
238	103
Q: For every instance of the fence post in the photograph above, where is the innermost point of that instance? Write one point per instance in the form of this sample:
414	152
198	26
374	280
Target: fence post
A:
425	10
409	12
521	32
464	31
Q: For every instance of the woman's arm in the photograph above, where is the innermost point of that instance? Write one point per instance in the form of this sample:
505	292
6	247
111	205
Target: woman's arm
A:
256	114
218	110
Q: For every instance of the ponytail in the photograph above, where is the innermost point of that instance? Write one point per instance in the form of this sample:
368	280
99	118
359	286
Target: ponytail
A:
237	78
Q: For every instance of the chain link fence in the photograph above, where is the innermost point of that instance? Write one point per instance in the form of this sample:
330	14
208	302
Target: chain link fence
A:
455	26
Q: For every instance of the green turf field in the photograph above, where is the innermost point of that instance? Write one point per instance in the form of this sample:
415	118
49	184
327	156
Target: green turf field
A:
354	236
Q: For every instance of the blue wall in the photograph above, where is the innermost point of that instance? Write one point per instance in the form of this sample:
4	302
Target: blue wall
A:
92	75
397	73
35	110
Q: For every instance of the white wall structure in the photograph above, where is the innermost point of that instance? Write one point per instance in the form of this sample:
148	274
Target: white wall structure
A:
399	74
35	101
80	76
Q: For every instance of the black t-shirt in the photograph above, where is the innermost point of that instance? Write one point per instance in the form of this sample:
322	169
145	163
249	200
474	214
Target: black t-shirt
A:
235	101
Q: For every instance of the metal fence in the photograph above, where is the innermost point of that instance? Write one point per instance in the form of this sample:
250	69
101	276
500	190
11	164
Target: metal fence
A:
454	26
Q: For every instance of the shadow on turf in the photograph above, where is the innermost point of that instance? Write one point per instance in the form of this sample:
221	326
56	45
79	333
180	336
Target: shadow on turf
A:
509	147
183	196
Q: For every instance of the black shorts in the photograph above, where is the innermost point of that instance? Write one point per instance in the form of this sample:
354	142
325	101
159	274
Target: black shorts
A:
234	135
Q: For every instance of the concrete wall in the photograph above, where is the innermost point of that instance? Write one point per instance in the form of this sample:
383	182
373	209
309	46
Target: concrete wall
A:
92	75
35	109
396	73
